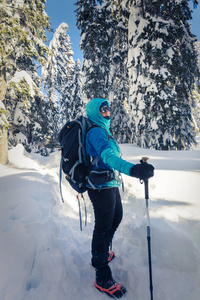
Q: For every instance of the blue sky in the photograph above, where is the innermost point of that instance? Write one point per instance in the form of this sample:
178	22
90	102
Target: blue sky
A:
63	11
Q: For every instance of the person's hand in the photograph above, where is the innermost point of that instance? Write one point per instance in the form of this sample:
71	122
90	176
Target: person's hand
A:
142	171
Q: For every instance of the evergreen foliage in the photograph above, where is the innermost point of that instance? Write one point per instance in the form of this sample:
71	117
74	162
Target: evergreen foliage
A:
73	104
195	99
58	76
26	105
3	118
59	65
104	41
22	35
163	66
22	43
57	72
118	77
139	54
94	22
62	78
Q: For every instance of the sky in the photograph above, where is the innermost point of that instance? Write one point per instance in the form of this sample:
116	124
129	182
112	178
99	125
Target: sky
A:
63	11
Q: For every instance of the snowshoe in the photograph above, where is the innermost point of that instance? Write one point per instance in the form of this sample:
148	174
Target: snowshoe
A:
111	288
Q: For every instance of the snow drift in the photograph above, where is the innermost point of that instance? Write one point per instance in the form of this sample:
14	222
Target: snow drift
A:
43	254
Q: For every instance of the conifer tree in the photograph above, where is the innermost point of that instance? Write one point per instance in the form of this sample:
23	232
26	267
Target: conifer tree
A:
104	41
22	39
58	75
93	21
118	77
73	104
59	66
28	123
195	99
163	65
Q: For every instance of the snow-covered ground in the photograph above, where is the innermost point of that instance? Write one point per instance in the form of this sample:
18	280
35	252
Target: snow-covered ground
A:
45	256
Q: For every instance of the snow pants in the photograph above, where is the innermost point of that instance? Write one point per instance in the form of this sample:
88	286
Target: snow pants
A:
108	215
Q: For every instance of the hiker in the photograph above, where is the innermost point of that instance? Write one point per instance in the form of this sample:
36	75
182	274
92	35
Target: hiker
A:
105	197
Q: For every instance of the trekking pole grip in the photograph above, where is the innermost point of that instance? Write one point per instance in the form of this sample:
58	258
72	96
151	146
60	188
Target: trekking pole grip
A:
146	189
146	182
145	159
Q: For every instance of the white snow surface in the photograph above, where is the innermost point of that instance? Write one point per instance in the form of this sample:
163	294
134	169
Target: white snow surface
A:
44	255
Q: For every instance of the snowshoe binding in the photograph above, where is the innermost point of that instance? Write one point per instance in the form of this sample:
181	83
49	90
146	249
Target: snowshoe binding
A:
111	288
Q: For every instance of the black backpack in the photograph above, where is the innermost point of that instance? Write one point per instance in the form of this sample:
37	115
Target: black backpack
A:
75	163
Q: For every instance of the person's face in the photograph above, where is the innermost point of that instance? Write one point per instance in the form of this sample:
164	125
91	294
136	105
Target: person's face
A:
105	111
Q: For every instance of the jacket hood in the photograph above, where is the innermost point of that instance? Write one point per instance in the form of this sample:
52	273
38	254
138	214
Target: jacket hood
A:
93	113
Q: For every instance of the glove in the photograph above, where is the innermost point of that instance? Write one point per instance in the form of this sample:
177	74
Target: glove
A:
142	171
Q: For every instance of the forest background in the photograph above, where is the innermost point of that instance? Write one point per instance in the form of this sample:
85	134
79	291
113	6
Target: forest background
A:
141	55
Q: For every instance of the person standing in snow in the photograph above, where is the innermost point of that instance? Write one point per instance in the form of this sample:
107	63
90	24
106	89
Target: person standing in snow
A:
104	193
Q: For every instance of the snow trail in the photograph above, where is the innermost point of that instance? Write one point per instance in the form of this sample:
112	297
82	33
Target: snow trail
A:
43	254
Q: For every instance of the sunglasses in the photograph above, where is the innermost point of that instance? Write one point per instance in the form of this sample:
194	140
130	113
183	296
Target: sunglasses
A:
104	109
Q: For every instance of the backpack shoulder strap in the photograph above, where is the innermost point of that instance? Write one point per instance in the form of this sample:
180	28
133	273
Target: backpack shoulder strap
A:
97	159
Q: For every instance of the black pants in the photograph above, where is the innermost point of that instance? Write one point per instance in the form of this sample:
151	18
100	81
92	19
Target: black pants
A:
108	215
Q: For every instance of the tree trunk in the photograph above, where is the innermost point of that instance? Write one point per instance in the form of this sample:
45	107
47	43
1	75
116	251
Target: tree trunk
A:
4	134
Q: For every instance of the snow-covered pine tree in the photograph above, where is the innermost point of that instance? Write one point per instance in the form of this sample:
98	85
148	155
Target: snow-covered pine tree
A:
22	39
93	19
72	102
163	65
77	100
39	128
118	77
104	41
195	99
59	66
58	75
28	123
19	97
52	115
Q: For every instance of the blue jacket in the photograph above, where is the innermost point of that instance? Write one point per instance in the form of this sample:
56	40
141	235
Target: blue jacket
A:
98	144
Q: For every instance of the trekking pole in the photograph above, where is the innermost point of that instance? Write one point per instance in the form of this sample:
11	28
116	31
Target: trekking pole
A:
146	189
79	207
85	209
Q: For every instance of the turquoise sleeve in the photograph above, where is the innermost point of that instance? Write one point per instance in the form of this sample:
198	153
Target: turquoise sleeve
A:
116	162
